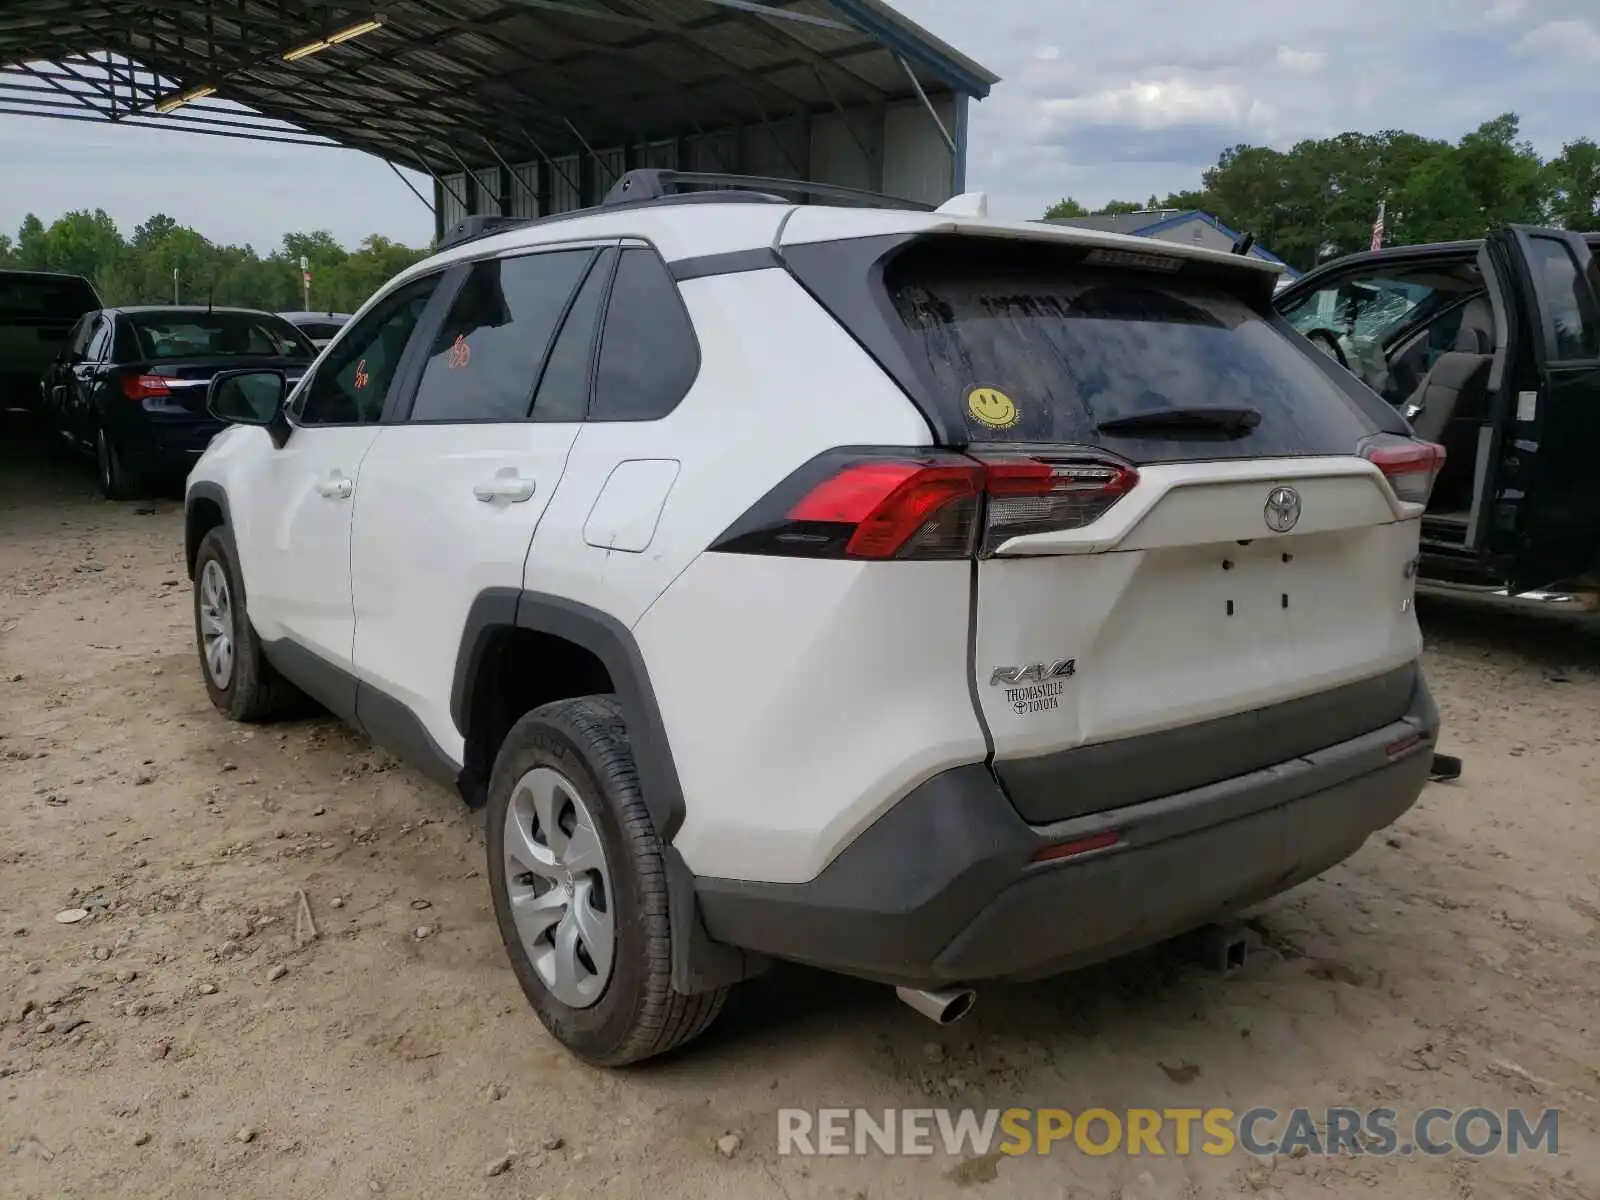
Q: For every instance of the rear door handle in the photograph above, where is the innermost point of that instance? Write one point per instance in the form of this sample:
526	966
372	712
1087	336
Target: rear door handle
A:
336	488
506	485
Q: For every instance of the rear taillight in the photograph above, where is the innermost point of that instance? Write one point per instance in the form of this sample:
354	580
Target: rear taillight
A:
880	504
1410	466
1036	495
897	509
144	387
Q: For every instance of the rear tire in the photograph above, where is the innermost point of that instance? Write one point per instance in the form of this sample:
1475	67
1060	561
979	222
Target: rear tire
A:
239	680
117	481
602	872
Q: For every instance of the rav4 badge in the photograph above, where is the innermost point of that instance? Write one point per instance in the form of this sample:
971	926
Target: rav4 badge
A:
1036	673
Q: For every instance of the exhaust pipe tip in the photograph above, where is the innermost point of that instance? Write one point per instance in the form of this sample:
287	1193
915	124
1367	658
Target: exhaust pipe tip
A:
942	1008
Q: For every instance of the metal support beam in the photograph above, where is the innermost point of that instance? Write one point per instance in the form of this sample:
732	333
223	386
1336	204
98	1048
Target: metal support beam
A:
446	188
514	179
932	111
874	159
597	162
539	150
410	187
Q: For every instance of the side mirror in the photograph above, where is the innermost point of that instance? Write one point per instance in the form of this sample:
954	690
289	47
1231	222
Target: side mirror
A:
251	398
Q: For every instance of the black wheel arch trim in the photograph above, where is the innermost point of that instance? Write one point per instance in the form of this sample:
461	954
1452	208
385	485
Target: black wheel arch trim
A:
497	609
204	490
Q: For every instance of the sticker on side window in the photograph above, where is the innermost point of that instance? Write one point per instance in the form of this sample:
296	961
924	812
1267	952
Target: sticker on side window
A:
992	407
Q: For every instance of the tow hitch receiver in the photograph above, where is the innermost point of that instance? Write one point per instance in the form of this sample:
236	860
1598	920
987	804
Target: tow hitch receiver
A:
1227	948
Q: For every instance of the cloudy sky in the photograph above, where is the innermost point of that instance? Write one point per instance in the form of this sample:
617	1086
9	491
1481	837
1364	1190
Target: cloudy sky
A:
1098	100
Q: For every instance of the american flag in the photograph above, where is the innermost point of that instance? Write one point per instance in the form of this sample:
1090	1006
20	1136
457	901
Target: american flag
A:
1377	227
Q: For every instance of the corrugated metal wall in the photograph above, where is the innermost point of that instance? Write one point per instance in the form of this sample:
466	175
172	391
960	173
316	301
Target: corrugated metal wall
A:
451	210
895	148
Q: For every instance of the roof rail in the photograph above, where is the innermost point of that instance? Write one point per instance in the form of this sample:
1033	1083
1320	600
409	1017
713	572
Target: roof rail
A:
655	183
475	227
652	185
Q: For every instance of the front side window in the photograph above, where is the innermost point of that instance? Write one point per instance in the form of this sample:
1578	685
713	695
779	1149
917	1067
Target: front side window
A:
485	361
350	385
1569	308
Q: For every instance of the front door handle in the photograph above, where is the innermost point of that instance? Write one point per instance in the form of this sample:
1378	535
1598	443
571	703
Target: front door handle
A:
506	485
336	487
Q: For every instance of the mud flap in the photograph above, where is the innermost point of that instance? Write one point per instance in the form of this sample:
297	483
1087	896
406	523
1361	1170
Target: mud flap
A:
699	963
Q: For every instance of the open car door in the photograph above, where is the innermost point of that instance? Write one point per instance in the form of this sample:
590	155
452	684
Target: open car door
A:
1548	489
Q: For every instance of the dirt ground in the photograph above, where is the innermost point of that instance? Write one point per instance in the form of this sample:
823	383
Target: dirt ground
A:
151	1051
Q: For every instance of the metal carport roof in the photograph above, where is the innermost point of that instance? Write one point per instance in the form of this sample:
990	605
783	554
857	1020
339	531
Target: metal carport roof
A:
445	85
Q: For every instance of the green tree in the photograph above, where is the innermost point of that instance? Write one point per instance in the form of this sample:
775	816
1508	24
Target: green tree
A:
1319	198
1574	180
1065	208
153	231
1182	201
1435	203
33	250
1509	182
1116	208
165	260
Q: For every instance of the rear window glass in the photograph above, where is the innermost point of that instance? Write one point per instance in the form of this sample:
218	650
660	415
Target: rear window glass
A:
216	334
1050	353
41	298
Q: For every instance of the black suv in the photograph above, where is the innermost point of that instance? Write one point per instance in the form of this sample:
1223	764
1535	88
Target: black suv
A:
1492	349
38	310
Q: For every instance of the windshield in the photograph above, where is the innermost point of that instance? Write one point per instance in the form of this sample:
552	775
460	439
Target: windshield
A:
56	298
1368	310
216	335
1067	354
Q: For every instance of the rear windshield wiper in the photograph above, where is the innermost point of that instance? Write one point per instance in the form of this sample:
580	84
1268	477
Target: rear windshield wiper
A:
1184	419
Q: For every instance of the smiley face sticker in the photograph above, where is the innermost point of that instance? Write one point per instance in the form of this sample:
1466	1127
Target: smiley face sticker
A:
992	407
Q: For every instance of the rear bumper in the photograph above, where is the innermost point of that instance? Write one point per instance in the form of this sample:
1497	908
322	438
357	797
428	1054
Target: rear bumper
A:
159	442
943	888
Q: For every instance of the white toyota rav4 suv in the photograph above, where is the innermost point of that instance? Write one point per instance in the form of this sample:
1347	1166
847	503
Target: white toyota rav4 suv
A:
919	596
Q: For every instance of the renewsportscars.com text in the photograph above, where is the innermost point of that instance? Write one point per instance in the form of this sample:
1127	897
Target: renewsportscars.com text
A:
1262	1132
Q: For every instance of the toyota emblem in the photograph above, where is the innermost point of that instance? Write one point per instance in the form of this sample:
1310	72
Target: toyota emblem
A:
1283	509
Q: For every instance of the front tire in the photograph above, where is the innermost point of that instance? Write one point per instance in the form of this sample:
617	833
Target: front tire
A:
580	889
239	680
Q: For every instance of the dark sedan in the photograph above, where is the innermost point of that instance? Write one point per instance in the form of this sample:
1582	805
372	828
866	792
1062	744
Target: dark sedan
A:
130	388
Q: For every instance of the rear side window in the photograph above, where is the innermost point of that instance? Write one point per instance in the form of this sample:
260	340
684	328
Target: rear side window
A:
82	333
486	359
1038	352
648	356
564	389
99	342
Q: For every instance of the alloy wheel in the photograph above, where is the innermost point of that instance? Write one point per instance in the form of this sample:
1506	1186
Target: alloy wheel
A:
559	886
216	623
